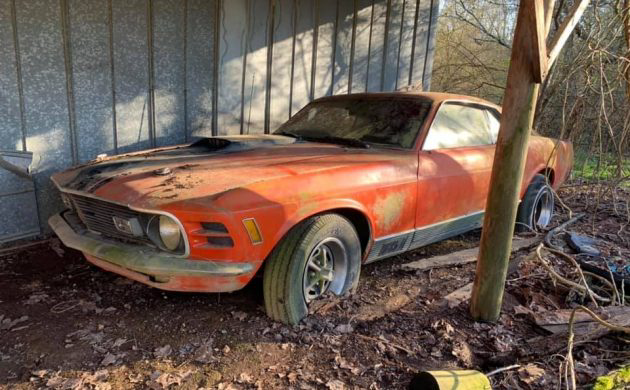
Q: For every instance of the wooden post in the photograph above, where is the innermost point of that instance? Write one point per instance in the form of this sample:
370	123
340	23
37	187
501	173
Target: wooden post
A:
528	67
507	171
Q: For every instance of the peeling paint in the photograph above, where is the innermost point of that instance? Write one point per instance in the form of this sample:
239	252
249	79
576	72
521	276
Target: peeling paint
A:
388	209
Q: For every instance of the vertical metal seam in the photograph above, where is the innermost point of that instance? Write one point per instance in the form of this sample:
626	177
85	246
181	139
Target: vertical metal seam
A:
314	51
215	68
245	48
151	105
369	52
18	71
426	52
270	27
400	39
352	43
185	70
385	41
295	17
67	61
334	50
110	26
413	42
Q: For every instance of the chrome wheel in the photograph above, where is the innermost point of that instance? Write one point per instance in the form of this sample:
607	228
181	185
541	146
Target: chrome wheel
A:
325	269
543	208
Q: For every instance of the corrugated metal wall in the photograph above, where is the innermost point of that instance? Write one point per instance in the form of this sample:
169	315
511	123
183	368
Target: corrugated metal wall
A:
84	77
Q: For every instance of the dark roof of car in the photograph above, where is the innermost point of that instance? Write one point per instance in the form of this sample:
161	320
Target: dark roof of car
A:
433	96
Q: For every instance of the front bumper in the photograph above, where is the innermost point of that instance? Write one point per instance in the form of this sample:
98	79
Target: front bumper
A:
151	266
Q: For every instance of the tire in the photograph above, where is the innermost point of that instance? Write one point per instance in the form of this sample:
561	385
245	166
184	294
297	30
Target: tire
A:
311	244
536	209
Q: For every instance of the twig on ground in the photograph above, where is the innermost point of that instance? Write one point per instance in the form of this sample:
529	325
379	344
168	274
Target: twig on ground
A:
502	369
569	357
558	228
584	289
385	341
602	279
614	285
64	306
561	202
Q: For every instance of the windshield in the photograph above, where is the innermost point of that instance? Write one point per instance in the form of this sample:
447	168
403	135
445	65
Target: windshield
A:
385	121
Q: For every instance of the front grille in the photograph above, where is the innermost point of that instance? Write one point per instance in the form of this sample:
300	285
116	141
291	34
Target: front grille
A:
97	215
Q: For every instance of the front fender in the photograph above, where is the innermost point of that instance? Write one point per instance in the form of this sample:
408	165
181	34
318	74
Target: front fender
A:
310	209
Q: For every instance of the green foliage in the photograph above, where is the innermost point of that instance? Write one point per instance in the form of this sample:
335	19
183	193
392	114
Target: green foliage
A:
604	383
616	380
599	167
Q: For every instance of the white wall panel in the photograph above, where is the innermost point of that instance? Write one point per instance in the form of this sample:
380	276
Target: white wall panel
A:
84	77
281	63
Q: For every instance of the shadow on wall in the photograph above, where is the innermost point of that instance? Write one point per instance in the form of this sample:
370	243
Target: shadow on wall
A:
91	77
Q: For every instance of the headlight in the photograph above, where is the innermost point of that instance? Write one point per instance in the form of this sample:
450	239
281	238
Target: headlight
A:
170	234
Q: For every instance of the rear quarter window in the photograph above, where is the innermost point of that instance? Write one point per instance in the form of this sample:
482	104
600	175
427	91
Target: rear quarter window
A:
459	125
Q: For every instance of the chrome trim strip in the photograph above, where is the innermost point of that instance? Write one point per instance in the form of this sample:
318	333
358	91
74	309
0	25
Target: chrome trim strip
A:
450	220
395	235
425	235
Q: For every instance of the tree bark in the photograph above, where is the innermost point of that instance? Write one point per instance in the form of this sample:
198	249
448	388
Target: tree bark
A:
625	14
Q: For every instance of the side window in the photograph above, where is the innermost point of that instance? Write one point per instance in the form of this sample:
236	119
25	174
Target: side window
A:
493	123
458	125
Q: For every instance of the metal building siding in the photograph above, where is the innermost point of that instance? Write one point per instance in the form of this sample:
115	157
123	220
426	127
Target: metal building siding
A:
83	77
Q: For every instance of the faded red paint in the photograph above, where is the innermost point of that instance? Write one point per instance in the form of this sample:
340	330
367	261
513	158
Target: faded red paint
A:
396	190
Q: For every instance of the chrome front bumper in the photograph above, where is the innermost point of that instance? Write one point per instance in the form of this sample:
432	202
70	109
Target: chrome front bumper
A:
141	259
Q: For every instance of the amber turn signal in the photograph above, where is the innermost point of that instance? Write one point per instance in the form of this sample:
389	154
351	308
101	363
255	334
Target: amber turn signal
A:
252	230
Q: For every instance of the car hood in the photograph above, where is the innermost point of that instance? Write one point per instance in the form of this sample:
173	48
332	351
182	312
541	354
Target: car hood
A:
209	166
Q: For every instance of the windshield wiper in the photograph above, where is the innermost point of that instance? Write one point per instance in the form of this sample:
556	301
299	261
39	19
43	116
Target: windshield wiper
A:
329	139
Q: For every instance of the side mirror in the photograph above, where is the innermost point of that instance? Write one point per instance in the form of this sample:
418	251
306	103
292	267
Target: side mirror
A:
18	163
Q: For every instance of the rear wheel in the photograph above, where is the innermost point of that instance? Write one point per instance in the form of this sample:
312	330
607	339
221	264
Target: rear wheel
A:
320	255
536	210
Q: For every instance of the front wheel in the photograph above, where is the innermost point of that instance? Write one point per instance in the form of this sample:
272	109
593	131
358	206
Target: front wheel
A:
536	210
320	255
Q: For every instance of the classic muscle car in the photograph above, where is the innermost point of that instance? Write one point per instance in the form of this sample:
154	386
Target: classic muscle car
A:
346	181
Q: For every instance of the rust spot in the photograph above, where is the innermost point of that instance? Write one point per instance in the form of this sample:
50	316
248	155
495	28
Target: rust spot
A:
388	209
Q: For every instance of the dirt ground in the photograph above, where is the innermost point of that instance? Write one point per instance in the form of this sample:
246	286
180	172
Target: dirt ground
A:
67	324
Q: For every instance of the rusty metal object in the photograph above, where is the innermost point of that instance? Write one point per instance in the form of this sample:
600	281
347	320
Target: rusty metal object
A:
18	163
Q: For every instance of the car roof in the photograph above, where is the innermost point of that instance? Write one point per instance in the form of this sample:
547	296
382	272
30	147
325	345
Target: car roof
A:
433	96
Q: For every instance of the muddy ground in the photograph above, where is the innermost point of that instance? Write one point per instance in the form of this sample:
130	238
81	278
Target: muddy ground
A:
67	324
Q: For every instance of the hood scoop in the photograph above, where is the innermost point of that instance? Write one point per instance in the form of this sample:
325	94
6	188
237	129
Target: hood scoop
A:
211	144
235	143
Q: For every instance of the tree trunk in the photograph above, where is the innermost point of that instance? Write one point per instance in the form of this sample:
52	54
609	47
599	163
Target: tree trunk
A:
625	15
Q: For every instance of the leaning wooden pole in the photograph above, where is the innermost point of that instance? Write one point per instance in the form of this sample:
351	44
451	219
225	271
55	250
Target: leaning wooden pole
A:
527	68
528	65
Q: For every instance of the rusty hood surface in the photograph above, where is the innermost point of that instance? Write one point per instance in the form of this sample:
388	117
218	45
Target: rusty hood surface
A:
152	178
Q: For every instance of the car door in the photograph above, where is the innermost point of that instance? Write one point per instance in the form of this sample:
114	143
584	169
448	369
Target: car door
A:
454	167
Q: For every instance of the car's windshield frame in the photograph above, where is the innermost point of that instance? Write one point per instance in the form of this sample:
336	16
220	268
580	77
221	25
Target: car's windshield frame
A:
376	96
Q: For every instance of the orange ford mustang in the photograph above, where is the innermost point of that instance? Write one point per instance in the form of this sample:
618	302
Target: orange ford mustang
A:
347	180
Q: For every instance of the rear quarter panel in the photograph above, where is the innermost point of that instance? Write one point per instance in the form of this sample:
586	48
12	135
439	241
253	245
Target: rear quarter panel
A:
547	154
